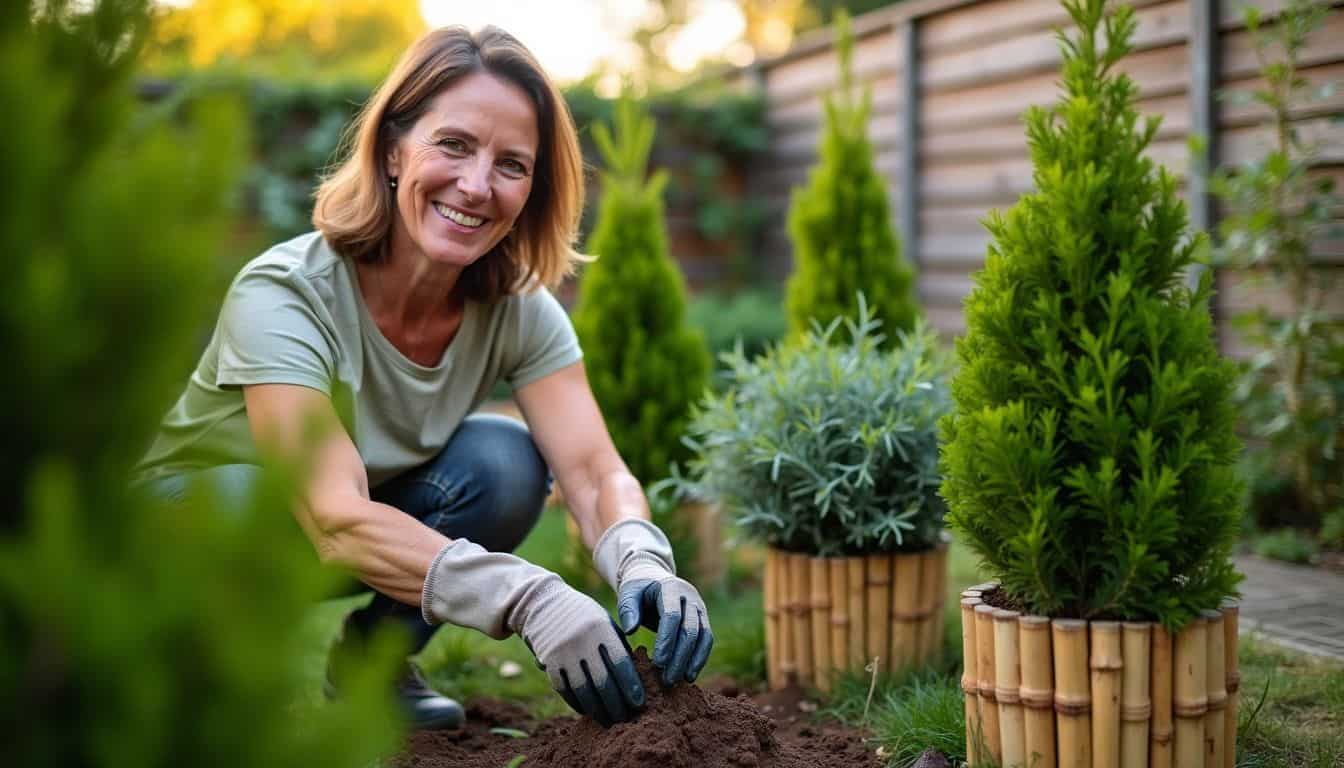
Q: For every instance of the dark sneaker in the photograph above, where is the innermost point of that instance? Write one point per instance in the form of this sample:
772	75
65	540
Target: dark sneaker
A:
426	708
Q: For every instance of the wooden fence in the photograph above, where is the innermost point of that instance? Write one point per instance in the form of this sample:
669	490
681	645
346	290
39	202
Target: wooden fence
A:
950	82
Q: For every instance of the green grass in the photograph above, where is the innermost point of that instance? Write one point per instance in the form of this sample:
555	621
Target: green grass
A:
1292	709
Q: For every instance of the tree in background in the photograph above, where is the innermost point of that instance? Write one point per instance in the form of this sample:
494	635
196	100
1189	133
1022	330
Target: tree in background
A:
322	40
645	363
1275	211
1089	461
132	633
840	224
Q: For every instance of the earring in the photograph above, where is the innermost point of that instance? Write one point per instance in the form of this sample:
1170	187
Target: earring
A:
392	182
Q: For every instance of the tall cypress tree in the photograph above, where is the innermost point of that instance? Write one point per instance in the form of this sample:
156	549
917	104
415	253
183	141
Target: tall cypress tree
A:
645	364
1089	458
840	223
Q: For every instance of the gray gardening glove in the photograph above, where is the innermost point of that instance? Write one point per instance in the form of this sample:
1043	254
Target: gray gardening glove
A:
636	560
572	637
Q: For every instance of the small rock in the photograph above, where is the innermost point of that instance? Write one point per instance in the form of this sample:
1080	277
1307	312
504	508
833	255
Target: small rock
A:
882	751
807	706
931	758
510	669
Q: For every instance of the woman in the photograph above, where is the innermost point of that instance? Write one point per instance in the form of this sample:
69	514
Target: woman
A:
360	350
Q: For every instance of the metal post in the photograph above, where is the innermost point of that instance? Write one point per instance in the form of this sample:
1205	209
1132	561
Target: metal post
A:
909	181
1203	113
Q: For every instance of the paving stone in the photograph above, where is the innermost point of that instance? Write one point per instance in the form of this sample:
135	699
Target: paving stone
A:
1295	606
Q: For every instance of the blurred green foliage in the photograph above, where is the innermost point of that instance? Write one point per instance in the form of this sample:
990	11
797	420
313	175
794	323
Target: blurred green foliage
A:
1090	458
828	444
1291	393
753	317
840	223
1286	544
133	633
645	364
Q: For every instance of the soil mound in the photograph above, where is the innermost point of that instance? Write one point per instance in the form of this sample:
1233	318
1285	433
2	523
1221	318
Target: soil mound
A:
680	727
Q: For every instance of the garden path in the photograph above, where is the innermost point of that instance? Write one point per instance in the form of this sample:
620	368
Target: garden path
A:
1294	606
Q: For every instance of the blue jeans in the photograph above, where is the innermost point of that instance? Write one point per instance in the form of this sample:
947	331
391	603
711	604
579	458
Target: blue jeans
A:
487	485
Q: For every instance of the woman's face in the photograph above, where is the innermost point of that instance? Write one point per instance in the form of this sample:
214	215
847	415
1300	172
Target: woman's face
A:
464	170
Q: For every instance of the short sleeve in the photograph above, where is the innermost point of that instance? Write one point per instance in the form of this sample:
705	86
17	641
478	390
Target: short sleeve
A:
547	340
270	333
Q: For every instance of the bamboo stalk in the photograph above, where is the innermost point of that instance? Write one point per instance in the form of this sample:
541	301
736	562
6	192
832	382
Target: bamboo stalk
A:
856	594
904	638
1073	701
970	683
788	614
1107	665
839	617
1232	669
802	620
772	671
1159	748
988	675
1136	708
878	588
1037	691
1216	675
820	604
1007	682
1190	701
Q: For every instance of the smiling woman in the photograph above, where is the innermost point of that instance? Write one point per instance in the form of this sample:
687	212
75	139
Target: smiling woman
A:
425	284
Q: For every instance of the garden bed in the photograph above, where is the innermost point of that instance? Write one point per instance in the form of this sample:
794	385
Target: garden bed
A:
683	727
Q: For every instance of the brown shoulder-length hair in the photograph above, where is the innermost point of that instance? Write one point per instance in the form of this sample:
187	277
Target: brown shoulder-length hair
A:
355	205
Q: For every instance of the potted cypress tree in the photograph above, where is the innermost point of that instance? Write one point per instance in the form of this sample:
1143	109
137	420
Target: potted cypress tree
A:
1089	458
825	448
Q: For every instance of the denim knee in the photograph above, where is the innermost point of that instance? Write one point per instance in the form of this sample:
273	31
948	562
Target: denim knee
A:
488	485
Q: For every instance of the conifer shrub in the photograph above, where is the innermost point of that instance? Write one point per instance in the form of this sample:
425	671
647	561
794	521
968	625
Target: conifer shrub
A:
131	633
1089	457
840	222
827	444
646	365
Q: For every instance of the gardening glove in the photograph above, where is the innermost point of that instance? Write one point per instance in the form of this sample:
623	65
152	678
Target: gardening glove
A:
636	560
571	636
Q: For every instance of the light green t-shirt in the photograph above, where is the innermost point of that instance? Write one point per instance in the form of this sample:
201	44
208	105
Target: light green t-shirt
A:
294	315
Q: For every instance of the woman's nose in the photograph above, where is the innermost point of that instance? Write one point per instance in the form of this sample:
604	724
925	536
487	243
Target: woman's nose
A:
474	181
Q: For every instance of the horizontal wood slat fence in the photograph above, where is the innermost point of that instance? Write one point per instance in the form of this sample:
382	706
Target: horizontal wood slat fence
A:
950	81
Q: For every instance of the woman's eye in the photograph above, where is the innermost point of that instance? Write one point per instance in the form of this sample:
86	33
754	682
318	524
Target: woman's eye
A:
513	167
454	145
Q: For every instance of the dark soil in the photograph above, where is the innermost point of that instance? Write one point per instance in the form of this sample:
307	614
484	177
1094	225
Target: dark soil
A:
1001	599
681	727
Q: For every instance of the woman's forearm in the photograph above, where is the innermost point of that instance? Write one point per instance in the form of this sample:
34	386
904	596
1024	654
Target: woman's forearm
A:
614	496
386	549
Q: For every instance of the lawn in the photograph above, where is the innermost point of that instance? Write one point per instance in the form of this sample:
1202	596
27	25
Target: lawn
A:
1292	711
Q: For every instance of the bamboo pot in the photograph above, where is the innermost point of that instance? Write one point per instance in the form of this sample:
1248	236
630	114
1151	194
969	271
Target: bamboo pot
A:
827	616
1076	694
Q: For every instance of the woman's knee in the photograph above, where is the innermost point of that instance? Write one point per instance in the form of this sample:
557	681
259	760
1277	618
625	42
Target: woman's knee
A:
498	481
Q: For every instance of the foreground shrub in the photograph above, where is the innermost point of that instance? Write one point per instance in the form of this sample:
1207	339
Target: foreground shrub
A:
1089	459
131	633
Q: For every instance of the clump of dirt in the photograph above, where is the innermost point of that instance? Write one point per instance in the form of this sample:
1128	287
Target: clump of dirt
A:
680	727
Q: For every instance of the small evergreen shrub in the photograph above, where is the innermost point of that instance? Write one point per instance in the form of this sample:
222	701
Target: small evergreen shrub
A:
132	633
827	444
1089	459
646	365
1291	394
840	223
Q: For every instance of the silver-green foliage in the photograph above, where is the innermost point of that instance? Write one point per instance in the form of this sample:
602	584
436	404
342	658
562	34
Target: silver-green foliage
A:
827	443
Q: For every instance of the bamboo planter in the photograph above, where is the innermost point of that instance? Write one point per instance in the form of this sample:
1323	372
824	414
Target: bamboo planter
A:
1102	694
825	616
